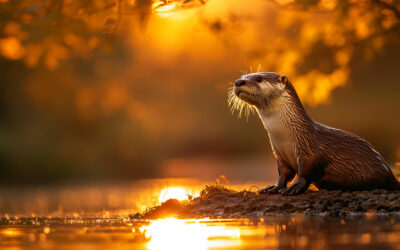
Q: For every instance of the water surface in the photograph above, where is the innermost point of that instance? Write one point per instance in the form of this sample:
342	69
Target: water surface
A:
96	216
263	233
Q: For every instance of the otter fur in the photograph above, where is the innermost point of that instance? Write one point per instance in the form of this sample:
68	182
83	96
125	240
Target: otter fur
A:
327	157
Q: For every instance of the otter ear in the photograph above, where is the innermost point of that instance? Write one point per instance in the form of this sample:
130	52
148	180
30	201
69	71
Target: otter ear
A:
284	80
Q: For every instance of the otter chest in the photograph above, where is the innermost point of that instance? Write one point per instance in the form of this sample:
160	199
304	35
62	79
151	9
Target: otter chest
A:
281	141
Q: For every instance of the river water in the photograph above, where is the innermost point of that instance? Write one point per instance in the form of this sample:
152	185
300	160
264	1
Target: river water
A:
284	232
97	217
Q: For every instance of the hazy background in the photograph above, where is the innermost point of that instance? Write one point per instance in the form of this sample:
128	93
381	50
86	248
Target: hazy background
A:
126	90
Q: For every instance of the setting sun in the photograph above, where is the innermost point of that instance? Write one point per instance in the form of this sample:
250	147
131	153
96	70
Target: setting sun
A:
165	8
178	193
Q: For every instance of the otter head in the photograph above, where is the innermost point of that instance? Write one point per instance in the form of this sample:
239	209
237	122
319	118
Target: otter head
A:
258	90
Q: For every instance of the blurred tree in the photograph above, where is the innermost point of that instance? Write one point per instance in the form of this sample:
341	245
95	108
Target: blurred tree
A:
111	88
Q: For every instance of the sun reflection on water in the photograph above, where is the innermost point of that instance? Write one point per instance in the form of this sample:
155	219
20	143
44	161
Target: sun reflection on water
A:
188	234
282	232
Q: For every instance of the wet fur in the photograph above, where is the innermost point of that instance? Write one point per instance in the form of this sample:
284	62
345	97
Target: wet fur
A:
328	157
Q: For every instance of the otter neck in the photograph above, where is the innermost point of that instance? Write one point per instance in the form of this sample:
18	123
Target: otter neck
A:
286	112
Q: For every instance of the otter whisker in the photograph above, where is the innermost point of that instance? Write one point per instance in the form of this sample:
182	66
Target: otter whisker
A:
236	104
259	67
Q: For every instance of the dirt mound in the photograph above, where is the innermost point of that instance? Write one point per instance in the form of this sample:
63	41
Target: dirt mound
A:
219	201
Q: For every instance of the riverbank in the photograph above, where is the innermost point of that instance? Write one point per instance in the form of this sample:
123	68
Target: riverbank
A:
219	201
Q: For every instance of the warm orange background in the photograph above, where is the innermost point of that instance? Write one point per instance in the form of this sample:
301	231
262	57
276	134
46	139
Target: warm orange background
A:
131	89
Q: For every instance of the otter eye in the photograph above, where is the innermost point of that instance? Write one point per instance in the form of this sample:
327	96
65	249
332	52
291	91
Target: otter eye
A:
259	79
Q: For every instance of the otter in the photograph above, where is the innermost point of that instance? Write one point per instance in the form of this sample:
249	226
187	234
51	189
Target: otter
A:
329	158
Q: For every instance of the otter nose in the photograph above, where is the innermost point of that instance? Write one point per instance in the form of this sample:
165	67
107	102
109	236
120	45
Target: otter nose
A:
239	82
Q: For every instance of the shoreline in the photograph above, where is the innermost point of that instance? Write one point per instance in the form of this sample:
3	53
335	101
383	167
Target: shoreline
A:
221	202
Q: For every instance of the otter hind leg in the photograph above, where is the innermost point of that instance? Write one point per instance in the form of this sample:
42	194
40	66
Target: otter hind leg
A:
286	174
330	182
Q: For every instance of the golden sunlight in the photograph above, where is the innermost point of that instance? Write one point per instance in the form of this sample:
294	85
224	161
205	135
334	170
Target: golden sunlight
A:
178	193
163	8
188	234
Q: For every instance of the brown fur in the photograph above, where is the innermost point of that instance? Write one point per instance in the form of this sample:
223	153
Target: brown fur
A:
328	157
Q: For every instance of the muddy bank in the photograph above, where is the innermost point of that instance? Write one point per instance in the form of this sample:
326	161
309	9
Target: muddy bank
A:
218	201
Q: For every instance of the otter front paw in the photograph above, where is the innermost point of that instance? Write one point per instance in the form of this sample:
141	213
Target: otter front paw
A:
294	189
271	189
